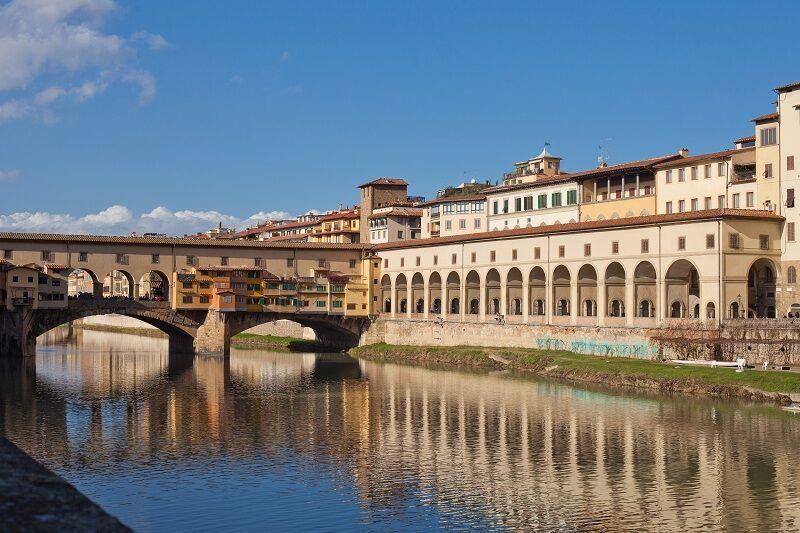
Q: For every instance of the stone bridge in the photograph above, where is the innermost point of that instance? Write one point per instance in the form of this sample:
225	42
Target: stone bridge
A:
189	331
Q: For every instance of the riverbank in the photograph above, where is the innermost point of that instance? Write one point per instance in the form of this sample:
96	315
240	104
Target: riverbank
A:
32	498
277	343
751	385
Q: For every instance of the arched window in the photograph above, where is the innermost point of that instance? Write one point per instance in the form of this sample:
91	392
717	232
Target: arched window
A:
517	306
437	306
387	305
646	309
563	307
455	306
791	275
420	307
734	310
538	307
617	308
403	305
473	306
676	310
711	310
589	308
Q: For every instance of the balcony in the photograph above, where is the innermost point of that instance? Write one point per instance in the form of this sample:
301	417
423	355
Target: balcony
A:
743	177
25	300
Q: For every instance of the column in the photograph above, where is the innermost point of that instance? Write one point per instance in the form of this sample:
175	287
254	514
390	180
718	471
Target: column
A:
622	186
573	301
409	297
526	300
426	298
661	289
637	185
608	188
462	299
393	298
548	298
135	291
594	193
482	301
630	303
503	297
602	303
445	303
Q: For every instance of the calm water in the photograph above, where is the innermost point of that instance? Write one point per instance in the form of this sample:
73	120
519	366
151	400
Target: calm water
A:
298	441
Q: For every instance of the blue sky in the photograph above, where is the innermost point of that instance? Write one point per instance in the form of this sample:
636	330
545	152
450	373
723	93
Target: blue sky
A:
232	110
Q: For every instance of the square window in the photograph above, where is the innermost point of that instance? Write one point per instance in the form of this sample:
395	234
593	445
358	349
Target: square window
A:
561	251
155	258
733	241
472	257
453	259
645	246
614	247
537	253
492	256
82	257
514	255
710	241
587	250
435	259
763	242
681	243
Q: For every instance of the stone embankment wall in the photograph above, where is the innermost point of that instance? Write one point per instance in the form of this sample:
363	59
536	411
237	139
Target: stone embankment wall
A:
279	328
776	341
586	340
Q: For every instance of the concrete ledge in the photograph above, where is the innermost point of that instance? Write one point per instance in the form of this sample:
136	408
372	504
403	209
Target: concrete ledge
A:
32	498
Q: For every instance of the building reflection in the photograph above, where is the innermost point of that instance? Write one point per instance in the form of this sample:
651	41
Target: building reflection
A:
521	453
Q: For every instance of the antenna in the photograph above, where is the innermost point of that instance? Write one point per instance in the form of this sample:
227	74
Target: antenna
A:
602	152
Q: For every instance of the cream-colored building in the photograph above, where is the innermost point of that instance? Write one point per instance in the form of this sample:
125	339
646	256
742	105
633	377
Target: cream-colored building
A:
635	271
395	223
33	287
454	215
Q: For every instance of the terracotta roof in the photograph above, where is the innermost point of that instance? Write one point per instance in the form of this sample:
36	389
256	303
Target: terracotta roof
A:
787	87
703	157
642	164
230	268
384	181
174	241
347	213
769	117
454	198
54	266
749	138
398	211
711	214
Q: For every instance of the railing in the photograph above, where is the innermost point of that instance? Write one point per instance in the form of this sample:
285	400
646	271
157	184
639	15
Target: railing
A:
22	301
743	177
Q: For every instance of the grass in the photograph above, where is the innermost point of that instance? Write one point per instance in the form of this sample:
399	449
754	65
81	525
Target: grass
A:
611	370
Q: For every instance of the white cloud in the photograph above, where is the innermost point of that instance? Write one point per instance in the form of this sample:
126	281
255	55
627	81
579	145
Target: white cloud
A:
8	175
285	56
153	40
119	220
45	40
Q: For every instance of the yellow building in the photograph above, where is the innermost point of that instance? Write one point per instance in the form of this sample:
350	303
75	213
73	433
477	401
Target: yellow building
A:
337	227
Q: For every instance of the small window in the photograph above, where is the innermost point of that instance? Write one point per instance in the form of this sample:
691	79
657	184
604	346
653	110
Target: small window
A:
733	241
645	246
721	169
82	257
190	260
681	243
537	253
615	247
472	257
453	259
187	299
477	223
789	162
707	203
492	256
402	262
187	284
681	174
736	201
668	176
791	275
385	263
763	242
204	299
710	241
750	199
290	262
694	173
418	260
400	234
694	204
47	255
789	197
768	170
514	254
721	201
155	258
790	231
587	250
707	171
435	259
321	263
669	208
769	136
561	251
681	206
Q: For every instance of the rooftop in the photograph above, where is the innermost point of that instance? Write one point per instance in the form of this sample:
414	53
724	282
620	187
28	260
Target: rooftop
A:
769	117
173	241
711	214
703	157
398	212
749	138
787	87
454	198
384	181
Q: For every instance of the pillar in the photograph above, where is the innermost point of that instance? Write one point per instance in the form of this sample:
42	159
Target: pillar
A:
602	303
462	296
630	303
526	300
409	298
482	300
426	298
393	298
548	298
573	301
637	185
213	335
661	298
504	296
135	291
97	289
445	303
17	341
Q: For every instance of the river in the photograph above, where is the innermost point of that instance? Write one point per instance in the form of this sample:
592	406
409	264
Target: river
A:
287	441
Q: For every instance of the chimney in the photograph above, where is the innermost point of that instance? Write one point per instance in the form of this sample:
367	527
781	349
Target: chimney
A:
683	152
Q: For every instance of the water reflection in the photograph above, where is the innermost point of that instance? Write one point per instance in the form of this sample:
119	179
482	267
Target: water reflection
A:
261	439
